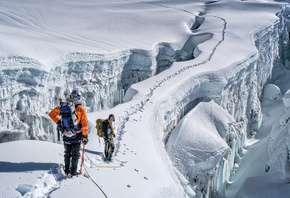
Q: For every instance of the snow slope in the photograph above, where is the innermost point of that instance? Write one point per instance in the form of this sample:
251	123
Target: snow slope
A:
219	52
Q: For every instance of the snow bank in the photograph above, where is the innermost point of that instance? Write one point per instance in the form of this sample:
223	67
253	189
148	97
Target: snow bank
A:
30	168
271	92
286	99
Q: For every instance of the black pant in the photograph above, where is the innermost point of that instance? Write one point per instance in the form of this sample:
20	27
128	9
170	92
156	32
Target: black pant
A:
109	148
71	157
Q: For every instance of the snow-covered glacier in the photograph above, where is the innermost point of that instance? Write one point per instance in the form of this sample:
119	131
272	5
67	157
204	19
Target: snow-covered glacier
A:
189	88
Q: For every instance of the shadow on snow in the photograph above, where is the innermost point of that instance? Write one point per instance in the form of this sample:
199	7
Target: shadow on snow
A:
25	166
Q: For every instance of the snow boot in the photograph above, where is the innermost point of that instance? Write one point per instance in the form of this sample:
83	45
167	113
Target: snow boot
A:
69	175
107	159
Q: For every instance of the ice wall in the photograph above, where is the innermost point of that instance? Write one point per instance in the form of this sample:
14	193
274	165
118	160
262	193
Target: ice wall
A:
28	92
278	143
285	40
278	138
278	150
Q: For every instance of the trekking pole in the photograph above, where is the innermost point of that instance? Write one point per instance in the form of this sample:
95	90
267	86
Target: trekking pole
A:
58	133
83	157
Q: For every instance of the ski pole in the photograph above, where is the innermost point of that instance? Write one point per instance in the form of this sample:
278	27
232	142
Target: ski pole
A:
83	157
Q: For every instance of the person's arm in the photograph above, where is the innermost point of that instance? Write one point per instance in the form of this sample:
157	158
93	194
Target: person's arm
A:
83	119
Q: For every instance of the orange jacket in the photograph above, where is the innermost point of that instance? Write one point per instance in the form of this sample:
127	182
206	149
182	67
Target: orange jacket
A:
81	114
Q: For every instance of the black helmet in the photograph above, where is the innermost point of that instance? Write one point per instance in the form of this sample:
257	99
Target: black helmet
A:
111	115
76	94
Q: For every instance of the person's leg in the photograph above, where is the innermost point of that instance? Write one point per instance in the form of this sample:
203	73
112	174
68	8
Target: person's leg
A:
108	150
75	158
67	157
112	147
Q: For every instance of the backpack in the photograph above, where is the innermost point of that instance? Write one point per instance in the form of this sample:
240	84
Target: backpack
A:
99	127
68	117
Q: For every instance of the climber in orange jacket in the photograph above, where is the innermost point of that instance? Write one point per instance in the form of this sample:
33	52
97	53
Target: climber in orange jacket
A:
81	114
74	128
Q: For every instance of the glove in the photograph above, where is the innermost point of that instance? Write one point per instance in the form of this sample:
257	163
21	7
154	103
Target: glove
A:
85	139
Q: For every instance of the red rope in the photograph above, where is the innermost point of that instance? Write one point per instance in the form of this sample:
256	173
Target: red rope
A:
83	158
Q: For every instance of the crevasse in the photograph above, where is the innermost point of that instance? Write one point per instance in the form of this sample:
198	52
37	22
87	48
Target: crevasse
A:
240	96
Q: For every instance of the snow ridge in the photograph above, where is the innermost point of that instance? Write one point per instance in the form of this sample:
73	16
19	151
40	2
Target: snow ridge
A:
45	185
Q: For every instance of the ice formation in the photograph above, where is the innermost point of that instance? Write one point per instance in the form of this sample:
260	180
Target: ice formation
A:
278	148
102	80
200	152
271	92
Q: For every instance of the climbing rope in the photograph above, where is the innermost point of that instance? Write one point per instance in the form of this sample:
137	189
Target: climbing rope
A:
121	165
122	162
95	182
